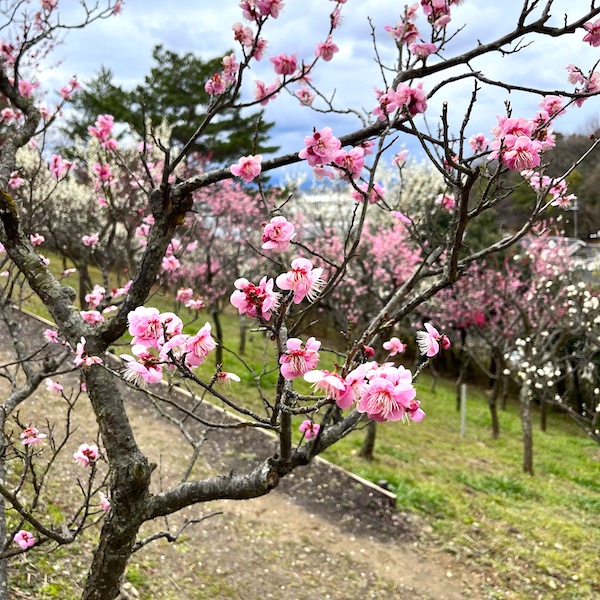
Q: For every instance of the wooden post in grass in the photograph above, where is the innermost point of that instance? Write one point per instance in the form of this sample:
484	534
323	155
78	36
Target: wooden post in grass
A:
463	409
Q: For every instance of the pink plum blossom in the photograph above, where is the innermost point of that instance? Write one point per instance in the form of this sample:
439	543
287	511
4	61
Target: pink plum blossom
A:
92	316
351	162
184	294
198	346
305	96
53	386
309	429
284	64
170	264
446	201
430	340
422	50
401	217
479	143
104	502
399	159
593	33
197	304
145	368
86	455
265	93
277	234
394	346
225	378
333	386
298	360
303	280
95	297
243	34
24	539
320	148
248	167
389	394
51	335
377	193
30	436
216	85
521	153
15	182
326	49
90	240
82	358
256	301
36	239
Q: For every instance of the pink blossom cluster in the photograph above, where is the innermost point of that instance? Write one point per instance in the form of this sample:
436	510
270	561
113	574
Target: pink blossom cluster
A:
557	188
446	201
258	301
322	148
382	392
186	297
66	91
224	79
59	167
83	358
479	143
91	241
258	10
404	99
162	333
102	131
518	143
590	84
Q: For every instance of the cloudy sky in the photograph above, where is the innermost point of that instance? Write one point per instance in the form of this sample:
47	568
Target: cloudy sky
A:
124	43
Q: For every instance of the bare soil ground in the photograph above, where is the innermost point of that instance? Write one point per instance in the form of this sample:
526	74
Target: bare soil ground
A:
319	535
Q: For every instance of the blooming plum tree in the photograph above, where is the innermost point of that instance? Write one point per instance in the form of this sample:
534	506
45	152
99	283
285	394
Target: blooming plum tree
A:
277	299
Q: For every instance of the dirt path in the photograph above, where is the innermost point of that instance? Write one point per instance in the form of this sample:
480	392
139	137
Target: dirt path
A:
318	536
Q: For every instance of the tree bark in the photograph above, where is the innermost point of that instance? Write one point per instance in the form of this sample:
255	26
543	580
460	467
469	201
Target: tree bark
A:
493	404
219	335
525	399
543	414
368	446
129	485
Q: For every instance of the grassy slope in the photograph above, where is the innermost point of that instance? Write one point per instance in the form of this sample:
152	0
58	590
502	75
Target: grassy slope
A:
536	535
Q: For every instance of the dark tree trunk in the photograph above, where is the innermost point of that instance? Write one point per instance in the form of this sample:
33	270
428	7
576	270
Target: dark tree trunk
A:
243	335
129	484
543	414
525	398
504	397
493	404
85	286
366	450
216	316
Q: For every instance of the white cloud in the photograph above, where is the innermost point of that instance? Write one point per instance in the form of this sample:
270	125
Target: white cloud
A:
125	43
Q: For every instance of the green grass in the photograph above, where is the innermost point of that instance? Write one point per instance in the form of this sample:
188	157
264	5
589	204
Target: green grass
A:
540	534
